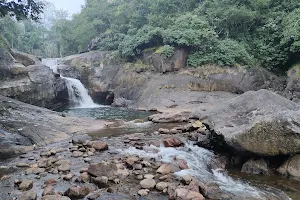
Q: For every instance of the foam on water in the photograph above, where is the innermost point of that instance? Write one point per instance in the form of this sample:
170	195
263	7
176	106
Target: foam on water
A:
78	94
198	160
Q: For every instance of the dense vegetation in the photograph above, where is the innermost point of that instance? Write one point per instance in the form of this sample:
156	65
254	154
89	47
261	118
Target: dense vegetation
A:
224	32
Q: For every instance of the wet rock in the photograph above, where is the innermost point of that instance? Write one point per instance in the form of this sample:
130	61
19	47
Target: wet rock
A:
88	160
101	182
49	190
161	186
26	185
148	183
29	195
98	145
193	185
77	192
55	197
103	169
143	192
182	164
254	166
23	165
291	167
172	190
65	167
81	139
77	154
172	142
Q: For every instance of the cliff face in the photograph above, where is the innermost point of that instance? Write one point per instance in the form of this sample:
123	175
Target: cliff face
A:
25	78
156	81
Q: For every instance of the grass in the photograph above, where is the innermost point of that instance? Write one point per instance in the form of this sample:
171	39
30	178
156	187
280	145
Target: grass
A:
295	69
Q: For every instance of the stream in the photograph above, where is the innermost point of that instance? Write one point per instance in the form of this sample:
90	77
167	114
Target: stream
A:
233	184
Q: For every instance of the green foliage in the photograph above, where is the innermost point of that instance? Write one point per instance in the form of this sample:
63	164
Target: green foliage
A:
21	9
224	53
167	51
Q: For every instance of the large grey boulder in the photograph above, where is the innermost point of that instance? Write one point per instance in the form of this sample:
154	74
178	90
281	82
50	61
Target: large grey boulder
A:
291	167
257	122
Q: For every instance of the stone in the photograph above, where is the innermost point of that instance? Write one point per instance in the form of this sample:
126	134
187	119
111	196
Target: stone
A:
85	177
29	195
148	183
131	160
77	192
140	177
143	192
68	177
257	122
77	154
101	182
172	142
163	131
98	145
88	160
49	190
65	167
81	139
51	181
103	169
187	179
23	165
182	164
149	176
55	197
26	185
165	169
291	167
137	166
161	186
256	166
186	194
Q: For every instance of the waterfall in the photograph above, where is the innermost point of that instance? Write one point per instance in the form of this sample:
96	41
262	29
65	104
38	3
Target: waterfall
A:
78	94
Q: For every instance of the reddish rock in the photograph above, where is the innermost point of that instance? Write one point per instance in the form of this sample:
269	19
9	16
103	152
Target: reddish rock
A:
182	164
98	145
173	142
50	181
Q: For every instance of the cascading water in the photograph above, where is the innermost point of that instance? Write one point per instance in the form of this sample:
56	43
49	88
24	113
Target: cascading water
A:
198	160
78	94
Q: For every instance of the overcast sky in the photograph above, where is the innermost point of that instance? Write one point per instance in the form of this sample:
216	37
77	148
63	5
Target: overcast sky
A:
73	6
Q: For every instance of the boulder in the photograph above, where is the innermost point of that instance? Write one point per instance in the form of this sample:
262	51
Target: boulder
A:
77	192
55	197
172	142
26	185
148	183
103	169
291	167
29	195
167	169
257	122
256	166
98	145
81	139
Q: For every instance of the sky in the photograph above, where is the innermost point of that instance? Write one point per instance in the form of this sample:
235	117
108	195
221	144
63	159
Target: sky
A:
72	6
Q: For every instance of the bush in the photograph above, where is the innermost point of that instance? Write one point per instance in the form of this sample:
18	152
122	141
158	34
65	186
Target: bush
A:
223	53
166	51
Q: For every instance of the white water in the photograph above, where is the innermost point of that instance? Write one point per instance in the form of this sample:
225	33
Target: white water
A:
78	94
198	160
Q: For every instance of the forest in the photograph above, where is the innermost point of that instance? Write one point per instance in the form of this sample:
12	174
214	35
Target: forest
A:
260	33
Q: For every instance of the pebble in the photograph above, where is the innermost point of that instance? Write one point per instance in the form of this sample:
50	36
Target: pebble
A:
143	192
148	183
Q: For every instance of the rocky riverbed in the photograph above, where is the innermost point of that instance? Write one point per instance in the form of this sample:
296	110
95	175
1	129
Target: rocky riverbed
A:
164	164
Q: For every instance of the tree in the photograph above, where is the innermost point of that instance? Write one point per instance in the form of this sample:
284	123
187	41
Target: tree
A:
21	9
